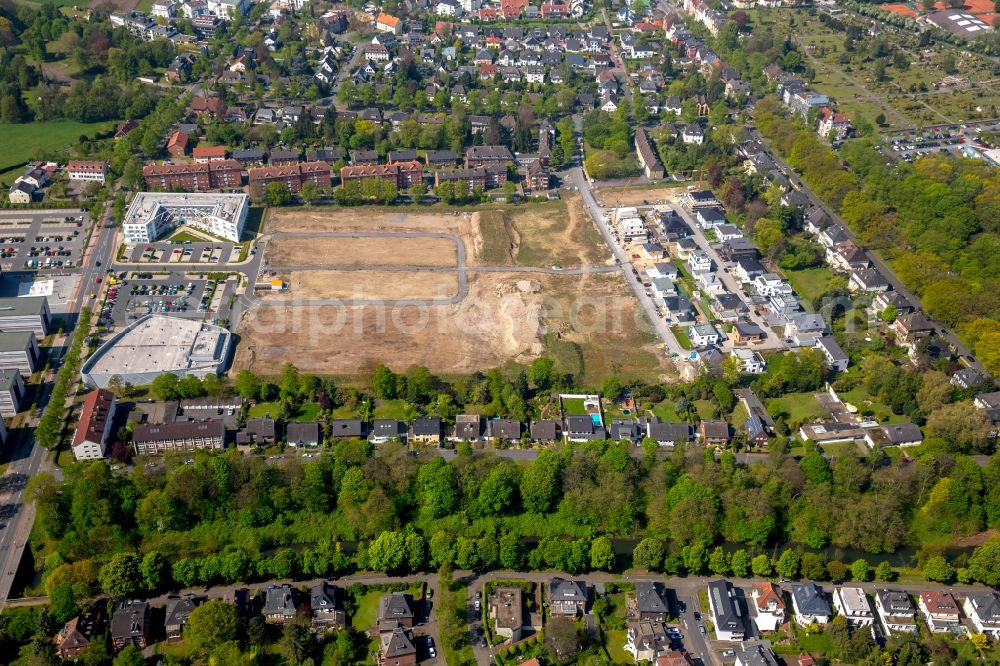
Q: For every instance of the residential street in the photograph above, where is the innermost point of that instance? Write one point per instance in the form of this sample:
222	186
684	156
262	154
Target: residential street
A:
577	178
773	342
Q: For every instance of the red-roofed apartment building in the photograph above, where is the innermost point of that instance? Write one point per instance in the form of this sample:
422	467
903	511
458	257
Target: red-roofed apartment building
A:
388	23
91	438
837	123
511	9
208	153
178	144
89	171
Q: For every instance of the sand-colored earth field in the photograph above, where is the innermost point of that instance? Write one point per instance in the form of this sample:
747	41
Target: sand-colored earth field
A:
590	323
369	285
379	251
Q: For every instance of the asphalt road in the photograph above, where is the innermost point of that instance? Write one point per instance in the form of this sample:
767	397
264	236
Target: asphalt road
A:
577	177
772	341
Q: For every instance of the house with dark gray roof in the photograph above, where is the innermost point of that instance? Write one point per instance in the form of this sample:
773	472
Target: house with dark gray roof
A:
649	603
130	624
503	429
582	428
386	430
627	431
326	604
396	647
303	434
178	610
546	430
426	430
567	597
279	604
810	604
669	433
727	613
395	608
347	428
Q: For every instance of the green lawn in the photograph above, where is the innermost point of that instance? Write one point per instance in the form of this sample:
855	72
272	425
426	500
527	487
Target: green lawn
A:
365	611
391	409
810	282
614	641
865	402
185	237
799	406
665	410
308	411
27	141
573	406
683	340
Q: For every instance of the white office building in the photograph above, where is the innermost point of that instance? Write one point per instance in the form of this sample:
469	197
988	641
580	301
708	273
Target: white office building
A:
153	214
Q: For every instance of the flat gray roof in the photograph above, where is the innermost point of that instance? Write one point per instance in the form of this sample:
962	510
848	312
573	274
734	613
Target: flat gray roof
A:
15	341
21	306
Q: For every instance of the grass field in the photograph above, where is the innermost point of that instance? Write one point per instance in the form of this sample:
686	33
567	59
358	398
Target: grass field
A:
309	411
810	283
683	340
28	141
798	406
573	406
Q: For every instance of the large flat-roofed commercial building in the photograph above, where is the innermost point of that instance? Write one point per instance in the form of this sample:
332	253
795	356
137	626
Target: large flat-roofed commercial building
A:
158	344
154	213
19	351
26	313
11	392
179	436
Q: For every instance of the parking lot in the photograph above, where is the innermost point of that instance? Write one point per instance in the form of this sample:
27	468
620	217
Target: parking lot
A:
41	240
909	145
193	252
138	294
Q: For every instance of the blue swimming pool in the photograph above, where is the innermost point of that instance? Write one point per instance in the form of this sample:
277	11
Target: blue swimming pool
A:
596	418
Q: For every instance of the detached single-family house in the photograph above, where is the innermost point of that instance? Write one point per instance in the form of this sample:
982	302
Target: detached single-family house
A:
810	605
303	434
649	603
178	610
646	640
727	616
395	609
567	598
507	611
940	611
426	430
546	430
387	430
703	335
326	604
835	356
896	612
983	610
714	432
279	604
770	606
130	624
853	604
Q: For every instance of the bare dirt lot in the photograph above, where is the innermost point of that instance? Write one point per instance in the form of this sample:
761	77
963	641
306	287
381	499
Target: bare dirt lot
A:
410	251
589	324
552	233
369	285
496	323
638	196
